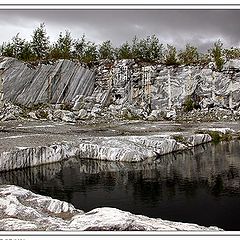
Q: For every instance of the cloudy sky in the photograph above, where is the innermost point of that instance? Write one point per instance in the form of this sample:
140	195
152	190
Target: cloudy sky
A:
178	27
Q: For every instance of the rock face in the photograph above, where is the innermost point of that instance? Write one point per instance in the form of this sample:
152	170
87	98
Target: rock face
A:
121	148
24	210
124	88
54	83
161	90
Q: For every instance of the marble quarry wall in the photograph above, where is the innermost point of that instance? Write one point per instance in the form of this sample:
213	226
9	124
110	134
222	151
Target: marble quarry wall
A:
119	85
54	83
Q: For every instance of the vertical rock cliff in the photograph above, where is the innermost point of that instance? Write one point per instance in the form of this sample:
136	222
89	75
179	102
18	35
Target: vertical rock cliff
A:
122	87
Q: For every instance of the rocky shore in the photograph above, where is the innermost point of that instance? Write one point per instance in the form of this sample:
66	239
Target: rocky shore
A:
29	144
22	210
120	111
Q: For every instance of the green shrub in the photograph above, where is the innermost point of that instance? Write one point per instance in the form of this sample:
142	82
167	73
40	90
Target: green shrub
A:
217	54
216	137
171	55
179	138
188	56
188	104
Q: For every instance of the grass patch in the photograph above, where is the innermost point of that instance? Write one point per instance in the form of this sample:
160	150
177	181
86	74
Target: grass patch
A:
180	138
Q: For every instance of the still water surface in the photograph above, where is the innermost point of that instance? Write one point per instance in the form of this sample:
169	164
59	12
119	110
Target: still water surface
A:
198	186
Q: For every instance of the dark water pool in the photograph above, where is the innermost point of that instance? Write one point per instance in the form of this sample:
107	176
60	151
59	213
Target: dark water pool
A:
199	186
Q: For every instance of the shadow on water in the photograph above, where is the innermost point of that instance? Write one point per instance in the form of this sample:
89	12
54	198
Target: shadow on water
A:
201	185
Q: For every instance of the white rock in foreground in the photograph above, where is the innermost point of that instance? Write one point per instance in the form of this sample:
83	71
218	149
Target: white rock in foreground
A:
23	210
113	219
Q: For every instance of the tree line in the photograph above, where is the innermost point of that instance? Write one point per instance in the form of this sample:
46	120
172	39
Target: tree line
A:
147	49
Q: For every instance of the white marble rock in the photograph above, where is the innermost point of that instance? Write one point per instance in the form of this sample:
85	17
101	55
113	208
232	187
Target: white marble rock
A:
23	210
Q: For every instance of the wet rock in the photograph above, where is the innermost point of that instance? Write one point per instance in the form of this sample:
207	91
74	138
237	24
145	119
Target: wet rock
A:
77	102
95	112
101	219
23	210
10	112
232	64
114	149
44	113
121	84
219	130
56	83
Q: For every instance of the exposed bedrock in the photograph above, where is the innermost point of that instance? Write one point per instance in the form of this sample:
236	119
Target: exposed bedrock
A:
184	165
120	148
23	210
59	82
123	89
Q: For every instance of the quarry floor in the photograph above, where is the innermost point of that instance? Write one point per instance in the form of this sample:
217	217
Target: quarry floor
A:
41	133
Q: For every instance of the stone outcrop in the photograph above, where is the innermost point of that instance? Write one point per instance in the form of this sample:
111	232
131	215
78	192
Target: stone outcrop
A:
179	168
124	89
160	91
23	210
52	83
120	148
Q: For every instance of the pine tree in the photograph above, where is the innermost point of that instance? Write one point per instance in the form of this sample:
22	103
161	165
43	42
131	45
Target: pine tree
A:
90	52
63	47
155	49
17	45
7	49
124	51
26	53
231	53
217	54
171	55
188	56
79	48
40	42
106	50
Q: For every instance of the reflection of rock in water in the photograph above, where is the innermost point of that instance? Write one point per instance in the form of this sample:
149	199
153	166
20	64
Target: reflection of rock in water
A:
31	176
218	166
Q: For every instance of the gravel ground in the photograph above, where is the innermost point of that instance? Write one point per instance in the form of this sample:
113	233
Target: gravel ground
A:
41	133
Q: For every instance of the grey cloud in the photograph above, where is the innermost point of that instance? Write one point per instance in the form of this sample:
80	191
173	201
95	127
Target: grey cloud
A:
199	27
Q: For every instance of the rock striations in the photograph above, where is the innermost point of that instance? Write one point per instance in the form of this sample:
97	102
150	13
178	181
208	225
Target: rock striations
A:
119	148
54	83
123	88
23	210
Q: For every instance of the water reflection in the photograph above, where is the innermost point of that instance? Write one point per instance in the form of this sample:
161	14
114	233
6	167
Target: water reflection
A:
201	185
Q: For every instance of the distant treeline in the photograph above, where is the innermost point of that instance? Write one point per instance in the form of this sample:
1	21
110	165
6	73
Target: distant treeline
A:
146	50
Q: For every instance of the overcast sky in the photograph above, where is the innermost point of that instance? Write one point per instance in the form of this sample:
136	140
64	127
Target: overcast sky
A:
178	27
